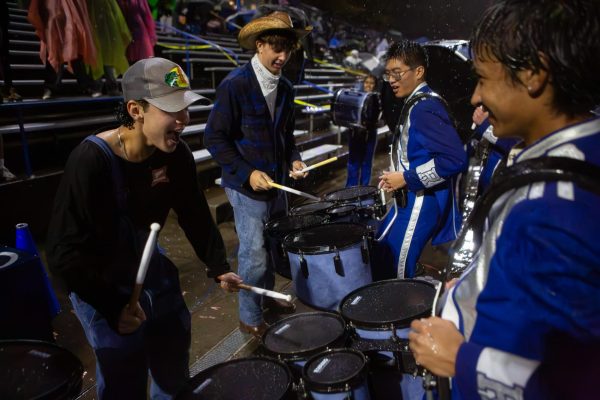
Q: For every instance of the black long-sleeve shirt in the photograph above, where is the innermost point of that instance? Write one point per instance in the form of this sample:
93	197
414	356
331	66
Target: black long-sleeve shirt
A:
87	244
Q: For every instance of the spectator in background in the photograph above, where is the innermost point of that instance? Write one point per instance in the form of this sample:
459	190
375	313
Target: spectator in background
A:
111	38
361	146
8	91
141	25
63	27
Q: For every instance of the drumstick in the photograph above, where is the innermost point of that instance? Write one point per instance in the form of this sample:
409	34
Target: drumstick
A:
294	191
317	165
143	268
265	292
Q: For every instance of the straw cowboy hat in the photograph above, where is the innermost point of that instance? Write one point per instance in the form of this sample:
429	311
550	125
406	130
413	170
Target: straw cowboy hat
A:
277	21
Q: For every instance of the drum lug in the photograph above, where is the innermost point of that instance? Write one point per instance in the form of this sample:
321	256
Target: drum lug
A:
337	262
303	267
364	250
283	253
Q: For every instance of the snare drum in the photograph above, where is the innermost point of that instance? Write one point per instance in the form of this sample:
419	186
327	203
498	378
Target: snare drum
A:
255	378
31	369
367	199
337	374
328	262
379	317
355	109
277	229
300	336
318	207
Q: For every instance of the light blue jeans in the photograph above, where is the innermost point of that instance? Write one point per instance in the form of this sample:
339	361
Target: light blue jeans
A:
254	265
159	348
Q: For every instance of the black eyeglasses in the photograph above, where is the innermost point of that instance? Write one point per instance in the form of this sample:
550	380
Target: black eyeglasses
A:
397	75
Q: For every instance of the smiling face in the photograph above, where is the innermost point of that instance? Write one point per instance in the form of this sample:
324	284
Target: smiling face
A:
163	129
272	57
369	84
508	102
402	78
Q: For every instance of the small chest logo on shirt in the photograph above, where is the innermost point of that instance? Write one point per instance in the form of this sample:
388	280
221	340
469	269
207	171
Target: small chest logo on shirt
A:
159	176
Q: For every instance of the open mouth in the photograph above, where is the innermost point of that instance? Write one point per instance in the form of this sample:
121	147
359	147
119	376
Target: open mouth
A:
173	138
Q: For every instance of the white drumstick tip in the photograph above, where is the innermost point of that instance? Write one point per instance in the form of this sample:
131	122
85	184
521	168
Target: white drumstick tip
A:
155	227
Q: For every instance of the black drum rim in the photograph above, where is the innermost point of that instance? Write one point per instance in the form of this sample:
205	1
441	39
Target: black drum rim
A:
67	382
298	209
283	365
271	231
387	325
304	354
358	379
365	196
323	249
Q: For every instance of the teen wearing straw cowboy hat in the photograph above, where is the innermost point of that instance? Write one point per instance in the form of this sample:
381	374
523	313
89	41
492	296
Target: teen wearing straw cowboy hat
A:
250	134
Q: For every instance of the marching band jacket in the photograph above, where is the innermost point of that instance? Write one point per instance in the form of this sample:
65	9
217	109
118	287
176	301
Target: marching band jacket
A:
241	135
429	151
533	288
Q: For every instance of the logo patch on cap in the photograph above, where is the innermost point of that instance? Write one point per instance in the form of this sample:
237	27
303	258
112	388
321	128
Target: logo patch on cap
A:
176	78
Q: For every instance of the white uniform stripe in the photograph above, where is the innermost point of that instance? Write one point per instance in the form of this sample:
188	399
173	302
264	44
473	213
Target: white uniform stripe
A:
409	233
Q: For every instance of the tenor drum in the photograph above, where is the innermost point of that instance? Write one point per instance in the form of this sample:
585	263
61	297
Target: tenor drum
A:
255	378
379	317
277	229
367	199
337	374
355	109
328	262
31	369
300	336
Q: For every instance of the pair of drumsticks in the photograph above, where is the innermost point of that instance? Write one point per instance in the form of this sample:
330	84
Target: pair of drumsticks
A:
145	261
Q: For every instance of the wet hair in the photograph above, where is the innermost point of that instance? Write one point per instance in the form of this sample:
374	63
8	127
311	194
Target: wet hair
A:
410	53
280	40
122	115
558	36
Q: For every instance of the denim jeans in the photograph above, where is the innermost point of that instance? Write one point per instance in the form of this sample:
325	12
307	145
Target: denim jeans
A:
361	147
159	347
254	265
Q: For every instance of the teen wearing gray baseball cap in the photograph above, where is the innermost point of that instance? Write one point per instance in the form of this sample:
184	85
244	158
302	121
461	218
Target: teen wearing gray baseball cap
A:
114	185
161	83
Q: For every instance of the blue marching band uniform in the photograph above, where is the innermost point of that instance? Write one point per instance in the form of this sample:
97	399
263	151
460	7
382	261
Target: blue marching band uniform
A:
429	151
535	274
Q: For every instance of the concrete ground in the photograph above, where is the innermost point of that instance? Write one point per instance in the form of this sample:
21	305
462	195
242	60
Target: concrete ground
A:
214	312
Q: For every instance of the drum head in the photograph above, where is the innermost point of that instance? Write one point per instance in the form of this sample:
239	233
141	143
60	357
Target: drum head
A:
325	238
31	369
332	370
283	226
311	208
303	334
244	378
396	301
353	193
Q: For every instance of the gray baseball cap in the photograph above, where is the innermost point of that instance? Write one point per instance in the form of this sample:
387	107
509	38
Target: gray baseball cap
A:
161	83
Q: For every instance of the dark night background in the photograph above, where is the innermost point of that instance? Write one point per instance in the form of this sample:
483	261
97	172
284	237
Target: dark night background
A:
436	19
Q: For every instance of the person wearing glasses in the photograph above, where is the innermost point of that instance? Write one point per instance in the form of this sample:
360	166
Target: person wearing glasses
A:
427	155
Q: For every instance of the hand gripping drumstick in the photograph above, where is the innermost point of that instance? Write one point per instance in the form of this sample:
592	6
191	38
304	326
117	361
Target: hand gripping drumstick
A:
319	164
294	191
265	292
143	268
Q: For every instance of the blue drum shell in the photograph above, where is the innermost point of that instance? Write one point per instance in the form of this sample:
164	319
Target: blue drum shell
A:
317	247
337	374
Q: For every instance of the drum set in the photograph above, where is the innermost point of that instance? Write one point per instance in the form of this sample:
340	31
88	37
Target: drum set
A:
359	352
355	346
